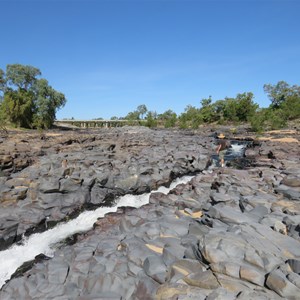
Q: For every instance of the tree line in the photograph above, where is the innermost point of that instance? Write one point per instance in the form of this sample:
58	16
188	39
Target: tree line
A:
285	106
27	100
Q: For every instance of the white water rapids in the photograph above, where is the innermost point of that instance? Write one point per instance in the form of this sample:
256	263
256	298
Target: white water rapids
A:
12	258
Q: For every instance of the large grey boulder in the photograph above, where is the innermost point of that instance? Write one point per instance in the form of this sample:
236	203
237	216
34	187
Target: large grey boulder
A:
278	282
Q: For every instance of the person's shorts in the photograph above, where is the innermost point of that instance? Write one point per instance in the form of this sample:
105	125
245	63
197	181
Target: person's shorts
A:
222	154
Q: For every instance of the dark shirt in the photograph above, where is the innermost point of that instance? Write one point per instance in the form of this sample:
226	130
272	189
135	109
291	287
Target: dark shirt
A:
224	144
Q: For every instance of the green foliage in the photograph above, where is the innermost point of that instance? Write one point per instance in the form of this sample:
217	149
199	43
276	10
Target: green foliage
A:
191	118
230	110
17	106
276	120
2	81
291	107
245	107
46	102
205	102
257	121
285	103
169	118
170	122
137	114
134	115
280	93
183	122
151	120
218	110
141	109
268	119
28	101
206	112
21	76
238	109
285	106
3	120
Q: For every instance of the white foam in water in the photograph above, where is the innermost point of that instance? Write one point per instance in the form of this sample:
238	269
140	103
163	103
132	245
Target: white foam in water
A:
38	243
236	148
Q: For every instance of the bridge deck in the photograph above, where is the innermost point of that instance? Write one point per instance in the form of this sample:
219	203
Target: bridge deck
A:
99	123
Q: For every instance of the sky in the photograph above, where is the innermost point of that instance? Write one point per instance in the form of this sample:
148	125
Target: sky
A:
110	56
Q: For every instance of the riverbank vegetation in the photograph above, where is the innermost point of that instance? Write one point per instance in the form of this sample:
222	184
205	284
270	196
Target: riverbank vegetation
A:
29	101
284	107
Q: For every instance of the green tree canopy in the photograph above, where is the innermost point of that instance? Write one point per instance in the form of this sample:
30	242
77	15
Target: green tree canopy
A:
47	101
190	118
134	115
169	118
291	107
151	119
22	77
207	110
245	106
138	113
17	106
142	109
29	101
280	92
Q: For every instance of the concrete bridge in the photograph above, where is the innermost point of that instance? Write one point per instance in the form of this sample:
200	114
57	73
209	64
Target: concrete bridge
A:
99	123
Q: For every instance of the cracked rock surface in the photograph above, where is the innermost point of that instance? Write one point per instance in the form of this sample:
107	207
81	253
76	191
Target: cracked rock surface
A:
226	234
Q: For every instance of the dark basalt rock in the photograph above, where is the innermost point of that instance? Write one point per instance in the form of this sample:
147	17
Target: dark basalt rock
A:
229	233
84	171
28	265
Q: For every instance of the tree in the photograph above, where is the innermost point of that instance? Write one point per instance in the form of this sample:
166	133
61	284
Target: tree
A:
245	107
268	119
142	109
238	109
207	110
205	102
218	111
258	120
285	99
17	106
134	115
29	101
151	119
137	114
291	107
169	118
190	118
280	92
46	103
21	76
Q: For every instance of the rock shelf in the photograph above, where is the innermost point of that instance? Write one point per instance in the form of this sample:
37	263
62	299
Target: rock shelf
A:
226	234
78	171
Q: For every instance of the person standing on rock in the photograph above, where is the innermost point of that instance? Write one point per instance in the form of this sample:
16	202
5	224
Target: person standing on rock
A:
223	145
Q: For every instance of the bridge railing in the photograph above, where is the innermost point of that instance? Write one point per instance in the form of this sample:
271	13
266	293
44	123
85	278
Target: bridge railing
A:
100	123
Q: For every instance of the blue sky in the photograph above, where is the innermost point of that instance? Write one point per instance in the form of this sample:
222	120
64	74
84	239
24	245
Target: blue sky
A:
108	57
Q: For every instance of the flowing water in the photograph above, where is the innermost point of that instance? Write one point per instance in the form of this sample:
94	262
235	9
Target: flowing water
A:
236	150
46	242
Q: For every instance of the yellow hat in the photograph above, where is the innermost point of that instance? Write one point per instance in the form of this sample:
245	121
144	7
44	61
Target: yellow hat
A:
221	136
